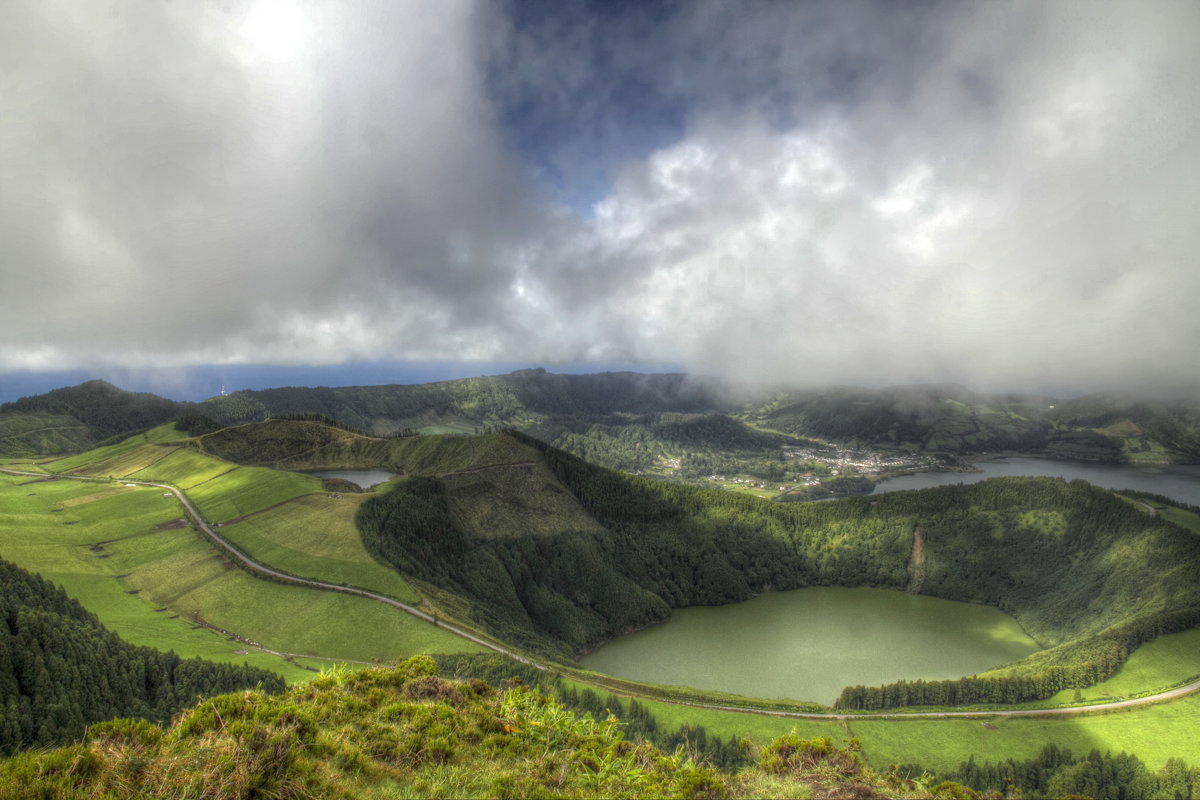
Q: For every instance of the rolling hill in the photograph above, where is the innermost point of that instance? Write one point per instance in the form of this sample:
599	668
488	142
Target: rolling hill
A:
634	422
555	554
558	555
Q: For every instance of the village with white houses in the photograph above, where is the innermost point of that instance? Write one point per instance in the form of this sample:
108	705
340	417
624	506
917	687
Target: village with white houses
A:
819	466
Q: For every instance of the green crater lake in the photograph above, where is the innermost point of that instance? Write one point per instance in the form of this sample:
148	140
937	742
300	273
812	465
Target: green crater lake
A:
809	643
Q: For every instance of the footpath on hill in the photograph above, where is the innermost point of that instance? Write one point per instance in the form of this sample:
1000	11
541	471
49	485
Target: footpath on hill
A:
255	566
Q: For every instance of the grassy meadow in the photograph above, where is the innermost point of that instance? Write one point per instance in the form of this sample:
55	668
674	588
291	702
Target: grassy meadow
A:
124	552
86	537
313	536
1153	733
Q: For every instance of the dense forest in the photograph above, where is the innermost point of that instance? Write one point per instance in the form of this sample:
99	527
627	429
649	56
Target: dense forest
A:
105	410
61	670
1056	772
1087	575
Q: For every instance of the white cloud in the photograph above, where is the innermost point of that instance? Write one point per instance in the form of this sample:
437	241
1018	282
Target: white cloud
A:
996	193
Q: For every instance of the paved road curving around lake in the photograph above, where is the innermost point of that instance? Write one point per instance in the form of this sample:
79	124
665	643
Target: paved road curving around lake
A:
255	566
1172	694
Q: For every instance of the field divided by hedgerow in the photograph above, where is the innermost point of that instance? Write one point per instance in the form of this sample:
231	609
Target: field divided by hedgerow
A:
314	537
1154	733
174	573
64	547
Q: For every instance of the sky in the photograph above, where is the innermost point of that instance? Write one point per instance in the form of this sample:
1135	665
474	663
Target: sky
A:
1002	194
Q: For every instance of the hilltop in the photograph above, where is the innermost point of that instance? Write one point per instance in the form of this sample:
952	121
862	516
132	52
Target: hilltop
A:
672	424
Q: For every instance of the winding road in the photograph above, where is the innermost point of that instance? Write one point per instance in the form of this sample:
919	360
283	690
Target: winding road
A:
263	569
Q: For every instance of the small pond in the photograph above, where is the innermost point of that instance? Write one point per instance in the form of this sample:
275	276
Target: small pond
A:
366	478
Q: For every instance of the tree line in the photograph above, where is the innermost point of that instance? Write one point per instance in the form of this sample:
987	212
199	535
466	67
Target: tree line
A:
1041	549
61	670
1057	772
637	721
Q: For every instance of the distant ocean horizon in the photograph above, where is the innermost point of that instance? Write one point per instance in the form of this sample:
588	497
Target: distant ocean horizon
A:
200	382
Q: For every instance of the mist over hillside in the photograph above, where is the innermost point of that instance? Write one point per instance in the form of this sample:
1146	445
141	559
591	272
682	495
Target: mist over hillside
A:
617	417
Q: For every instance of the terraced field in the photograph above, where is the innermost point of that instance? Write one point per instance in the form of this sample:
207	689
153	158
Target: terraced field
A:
125	552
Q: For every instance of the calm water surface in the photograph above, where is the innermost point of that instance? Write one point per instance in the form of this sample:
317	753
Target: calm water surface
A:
1178	482
366	478
809	643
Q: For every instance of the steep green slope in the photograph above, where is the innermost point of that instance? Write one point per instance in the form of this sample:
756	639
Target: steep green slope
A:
32	434
103	409
405	732
126	553
61	670
1086	574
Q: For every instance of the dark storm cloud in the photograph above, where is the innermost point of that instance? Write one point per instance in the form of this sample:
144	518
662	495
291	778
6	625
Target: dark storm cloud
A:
994	193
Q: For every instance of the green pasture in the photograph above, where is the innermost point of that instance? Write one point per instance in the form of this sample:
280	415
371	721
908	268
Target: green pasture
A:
245	490
55	528
1154	733
118	460
447	428
184	467
189	577
220	489
112	548
314	537
1181	517
1188	520
1157	665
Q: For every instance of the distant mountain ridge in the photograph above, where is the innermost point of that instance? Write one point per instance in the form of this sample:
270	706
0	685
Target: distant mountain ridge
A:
624	419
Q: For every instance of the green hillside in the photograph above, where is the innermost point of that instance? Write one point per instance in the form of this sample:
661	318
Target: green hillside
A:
127	554
29	434
61	670
405	732
105	410
1089	576
679	427
551	553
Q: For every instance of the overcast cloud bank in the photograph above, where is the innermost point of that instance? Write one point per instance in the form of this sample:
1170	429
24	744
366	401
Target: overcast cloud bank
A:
1000	194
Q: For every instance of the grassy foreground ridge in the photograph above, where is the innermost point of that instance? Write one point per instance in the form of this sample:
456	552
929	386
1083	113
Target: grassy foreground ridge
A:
405	732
